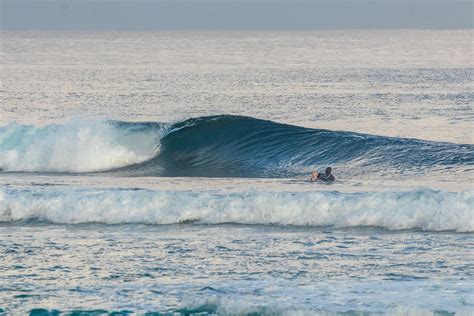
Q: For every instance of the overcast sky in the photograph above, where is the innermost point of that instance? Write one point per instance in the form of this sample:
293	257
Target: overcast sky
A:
234	14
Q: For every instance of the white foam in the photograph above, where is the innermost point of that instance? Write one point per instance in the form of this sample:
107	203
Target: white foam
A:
331	298
78	146
425	209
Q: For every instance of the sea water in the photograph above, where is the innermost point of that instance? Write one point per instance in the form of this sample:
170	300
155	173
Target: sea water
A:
167	172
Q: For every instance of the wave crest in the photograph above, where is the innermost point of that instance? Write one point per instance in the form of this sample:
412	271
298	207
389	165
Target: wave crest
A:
79	146
216	146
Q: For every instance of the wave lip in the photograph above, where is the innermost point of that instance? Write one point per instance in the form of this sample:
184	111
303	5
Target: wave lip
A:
424	209
217	146
76	147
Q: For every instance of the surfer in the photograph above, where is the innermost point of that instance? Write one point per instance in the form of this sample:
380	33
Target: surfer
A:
325	177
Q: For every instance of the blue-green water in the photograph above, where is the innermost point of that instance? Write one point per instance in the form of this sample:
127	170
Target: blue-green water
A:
168	173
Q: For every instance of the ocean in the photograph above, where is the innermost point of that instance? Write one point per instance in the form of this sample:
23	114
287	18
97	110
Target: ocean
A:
168	173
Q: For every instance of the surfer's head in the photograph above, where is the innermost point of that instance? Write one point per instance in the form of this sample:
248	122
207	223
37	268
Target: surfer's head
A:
328	171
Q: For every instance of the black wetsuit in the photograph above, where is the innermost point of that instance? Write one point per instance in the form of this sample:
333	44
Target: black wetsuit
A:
326	178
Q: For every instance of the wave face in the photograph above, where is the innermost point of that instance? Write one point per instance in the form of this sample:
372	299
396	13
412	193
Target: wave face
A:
227	146
424	209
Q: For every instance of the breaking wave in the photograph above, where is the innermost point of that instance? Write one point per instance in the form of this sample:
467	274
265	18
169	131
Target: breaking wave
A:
79	146
227	146
425	209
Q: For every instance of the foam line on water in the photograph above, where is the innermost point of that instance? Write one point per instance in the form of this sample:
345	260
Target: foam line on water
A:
425	209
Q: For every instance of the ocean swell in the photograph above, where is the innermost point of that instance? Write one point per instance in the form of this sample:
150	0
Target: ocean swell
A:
216	146
424	209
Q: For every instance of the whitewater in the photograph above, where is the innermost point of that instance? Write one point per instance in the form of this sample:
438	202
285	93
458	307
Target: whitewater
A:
421	209
138	176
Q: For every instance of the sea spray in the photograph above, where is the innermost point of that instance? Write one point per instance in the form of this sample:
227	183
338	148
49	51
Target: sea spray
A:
78	146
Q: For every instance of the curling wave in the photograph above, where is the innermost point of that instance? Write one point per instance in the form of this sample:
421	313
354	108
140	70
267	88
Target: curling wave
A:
425	209
79	146
228	146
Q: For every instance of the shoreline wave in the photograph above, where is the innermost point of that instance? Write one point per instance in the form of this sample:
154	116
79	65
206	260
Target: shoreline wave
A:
424	209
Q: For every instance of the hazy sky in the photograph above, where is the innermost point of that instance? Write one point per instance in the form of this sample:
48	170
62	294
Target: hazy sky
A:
234	14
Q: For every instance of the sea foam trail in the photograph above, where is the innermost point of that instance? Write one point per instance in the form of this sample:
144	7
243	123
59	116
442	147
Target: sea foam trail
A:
424	209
